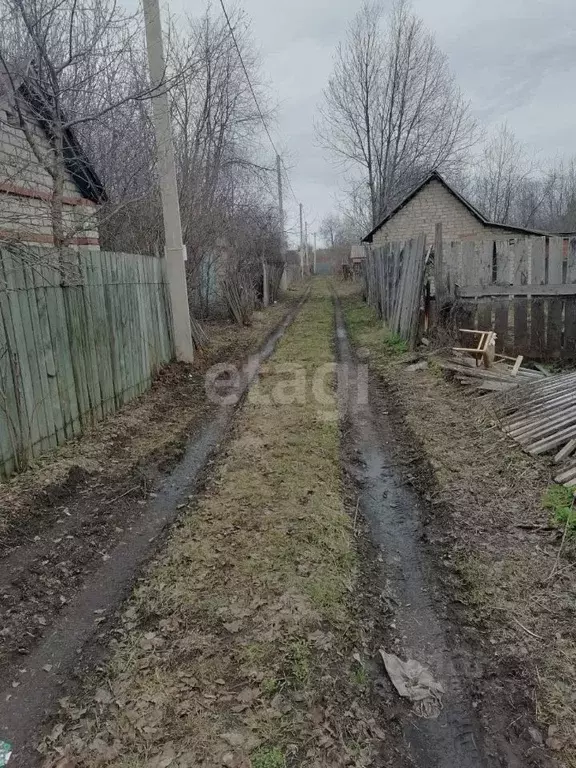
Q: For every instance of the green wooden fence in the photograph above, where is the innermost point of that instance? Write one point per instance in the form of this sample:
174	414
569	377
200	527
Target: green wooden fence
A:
78	338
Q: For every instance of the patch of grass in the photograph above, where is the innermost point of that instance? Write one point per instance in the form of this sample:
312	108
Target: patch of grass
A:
268	757
360	676
398	345
559	500
435	369
254	653
478	583
299	664
367	330
355	748
325	595
270	686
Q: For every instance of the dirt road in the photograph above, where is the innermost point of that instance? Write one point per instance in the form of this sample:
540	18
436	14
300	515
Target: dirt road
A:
255	636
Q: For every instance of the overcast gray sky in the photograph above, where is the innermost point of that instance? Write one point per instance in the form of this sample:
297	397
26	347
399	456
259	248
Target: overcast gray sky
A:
515	60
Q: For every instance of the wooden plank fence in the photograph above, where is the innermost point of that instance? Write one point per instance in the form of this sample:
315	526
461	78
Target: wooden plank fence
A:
523	288
394	275
77	341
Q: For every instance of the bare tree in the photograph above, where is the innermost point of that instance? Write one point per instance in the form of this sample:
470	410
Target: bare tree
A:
87	67
510	185
504	167
557	188
217	130
328	229
392	111
216	123
251	241
336	230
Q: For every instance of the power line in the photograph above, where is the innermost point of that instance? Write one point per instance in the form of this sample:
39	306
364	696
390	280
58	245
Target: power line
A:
253	92
289	182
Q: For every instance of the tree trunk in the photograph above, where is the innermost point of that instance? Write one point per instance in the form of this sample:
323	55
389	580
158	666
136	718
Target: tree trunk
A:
57	202
266	286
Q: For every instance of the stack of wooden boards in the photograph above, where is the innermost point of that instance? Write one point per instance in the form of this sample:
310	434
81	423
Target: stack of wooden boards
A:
480	368
501	377
542	418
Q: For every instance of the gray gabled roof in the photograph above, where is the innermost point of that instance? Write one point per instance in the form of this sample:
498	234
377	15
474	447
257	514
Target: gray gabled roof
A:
435	176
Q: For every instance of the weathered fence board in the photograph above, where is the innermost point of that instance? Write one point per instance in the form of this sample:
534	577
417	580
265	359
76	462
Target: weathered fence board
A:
571	261
501	309
569	349
538	327
521	336
484	314
471	291
555	261
537	262
75	344
8	404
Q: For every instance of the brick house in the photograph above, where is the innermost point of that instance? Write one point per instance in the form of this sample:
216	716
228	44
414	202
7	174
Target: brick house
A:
433	201
26	187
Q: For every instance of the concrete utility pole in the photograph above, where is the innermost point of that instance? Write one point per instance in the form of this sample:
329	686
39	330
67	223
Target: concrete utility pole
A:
307	254
315	249
284	280
301	242
174	247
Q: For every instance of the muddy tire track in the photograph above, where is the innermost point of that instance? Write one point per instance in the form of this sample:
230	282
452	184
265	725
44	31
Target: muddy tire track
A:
394	514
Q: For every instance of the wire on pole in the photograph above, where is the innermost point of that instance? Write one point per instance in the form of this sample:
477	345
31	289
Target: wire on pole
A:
253	92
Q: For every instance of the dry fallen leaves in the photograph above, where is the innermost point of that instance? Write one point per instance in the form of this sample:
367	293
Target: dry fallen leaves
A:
233	627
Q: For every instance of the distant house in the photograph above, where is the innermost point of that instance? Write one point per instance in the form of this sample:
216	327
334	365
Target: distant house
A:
26	187
329	261
433	201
